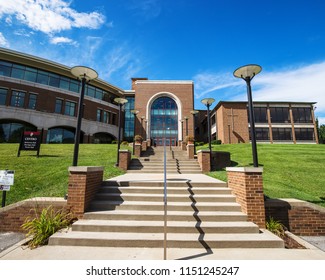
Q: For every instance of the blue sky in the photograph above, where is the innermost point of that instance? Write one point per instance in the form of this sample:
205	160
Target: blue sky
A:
199	40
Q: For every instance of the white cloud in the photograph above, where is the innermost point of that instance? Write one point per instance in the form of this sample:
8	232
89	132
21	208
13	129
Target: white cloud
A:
62	40
304	83
3	41
49	16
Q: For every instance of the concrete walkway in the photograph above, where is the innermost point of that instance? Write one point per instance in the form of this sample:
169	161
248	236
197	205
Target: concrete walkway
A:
20	252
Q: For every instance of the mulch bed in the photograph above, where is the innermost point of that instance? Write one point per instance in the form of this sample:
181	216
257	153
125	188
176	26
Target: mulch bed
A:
290	243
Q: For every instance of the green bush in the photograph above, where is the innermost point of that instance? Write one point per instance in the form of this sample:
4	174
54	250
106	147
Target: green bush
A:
199	143
216	142
275	227
125	143
114	142
44	225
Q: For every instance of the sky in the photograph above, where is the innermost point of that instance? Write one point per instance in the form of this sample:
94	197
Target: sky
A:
199	40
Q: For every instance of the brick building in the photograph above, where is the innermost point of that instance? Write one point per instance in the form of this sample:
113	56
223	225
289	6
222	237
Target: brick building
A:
38	94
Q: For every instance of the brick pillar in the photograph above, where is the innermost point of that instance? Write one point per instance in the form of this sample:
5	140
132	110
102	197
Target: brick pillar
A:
203	158
137	149
124	159
190	151
183	146
246	184
144	145
84	182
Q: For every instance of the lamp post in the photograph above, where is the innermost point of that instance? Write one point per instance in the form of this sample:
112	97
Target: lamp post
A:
194	112
134	112
247	73
120	102
85	74
208	102
186	125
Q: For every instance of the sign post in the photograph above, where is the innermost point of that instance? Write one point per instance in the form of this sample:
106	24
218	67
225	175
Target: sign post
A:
30	141
6	180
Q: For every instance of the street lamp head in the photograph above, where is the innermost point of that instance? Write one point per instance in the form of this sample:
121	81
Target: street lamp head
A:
120	101
194	112
83	72
207	101
247	71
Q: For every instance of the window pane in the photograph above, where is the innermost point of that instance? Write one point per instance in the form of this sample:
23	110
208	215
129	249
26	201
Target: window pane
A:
17	99
17	73
30	76
3	96
64	83
42	78
54	80
70	108
58	106
32	101
74	86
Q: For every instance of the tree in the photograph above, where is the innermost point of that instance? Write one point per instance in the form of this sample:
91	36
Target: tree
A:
322	134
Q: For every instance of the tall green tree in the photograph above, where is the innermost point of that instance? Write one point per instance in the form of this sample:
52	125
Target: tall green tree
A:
322	134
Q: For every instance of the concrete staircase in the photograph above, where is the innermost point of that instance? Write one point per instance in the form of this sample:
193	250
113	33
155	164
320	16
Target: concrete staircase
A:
152	161
200	215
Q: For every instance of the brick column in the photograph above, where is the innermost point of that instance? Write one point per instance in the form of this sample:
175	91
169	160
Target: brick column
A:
190	151
84	182
183	146
137	149
246	184
144	145
124	159
203	158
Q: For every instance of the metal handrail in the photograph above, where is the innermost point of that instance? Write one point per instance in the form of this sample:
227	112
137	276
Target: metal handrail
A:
165	202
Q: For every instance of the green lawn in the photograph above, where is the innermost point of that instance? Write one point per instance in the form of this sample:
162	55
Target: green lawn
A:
48	174
290	171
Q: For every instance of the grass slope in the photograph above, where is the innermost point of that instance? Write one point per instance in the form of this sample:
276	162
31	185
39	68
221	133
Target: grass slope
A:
289	171
48	174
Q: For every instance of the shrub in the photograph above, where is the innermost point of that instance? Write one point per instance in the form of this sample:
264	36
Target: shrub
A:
138	138
199	143
216	142
114	142
189	139
125	143
275	227
44	225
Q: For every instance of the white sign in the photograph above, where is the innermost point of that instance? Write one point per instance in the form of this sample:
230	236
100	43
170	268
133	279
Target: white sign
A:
7	177
4	188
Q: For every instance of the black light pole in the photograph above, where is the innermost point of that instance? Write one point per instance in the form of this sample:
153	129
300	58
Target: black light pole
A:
85	74
120	102
186	125
194	112
247	73
134	112
208	102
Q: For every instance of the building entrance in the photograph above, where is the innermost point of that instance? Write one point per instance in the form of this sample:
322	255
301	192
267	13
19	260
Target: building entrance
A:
164	121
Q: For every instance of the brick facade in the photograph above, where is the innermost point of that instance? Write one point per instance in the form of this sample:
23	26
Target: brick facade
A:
299	217
246	184
124	159
13	216
84	183
203	157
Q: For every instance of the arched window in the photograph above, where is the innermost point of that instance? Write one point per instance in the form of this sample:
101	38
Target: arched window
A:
164	121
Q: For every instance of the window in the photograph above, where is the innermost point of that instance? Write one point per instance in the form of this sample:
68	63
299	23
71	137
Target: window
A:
17	99
18	71
32	101
260	114
282	134
58	106
70	108
114	119
302	115
30	74
54	80
42	77
99	115
280	115
106	117
3	96
306	134
5	68
262	133
60	135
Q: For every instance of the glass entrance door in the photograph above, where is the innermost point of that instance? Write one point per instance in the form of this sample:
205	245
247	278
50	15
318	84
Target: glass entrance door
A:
164	121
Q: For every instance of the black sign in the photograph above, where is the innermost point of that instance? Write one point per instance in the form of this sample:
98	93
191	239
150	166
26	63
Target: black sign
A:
30	141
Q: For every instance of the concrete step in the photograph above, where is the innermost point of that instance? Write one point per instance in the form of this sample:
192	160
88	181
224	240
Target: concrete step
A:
98	205
169	172
157	226
160	190
160	197
181	183
174	240
219	216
